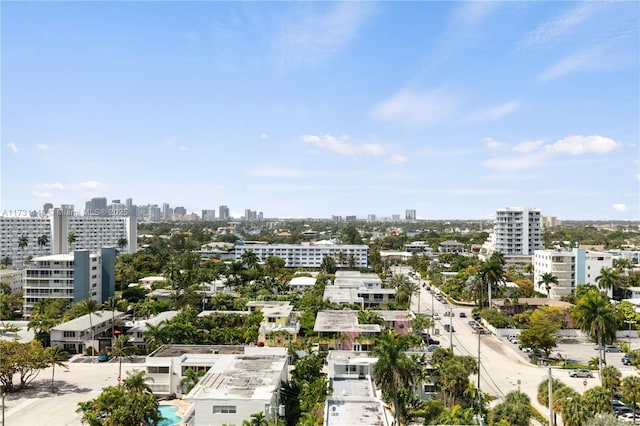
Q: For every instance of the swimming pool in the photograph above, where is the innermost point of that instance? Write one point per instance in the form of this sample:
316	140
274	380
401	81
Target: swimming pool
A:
169	414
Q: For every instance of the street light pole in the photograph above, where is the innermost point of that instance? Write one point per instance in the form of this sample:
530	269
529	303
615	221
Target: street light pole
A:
451	329
433	320
630	322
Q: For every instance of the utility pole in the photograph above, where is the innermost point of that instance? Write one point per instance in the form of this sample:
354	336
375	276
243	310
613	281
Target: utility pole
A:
451	329
551	418
630	322
433	320
479	392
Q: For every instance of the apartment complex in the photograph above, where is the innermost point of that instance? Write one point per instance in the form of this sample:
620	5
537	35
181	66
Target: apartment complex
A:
571	268
306	255
75	276
518	231
90	232
356	288
76	335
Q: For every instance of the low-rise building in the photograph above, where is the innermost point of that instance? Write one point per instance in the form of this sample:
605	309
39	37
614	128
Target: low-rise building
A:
398	321
239	380
280	323
340	329
76	336
356	288
451	246
138	328
302	283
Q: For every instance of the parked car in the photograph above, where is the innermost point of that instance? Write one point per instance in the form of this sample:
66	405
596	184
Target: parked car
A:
626	360
432	348
436	316
472	323
612	348
103	358
447	313
580	372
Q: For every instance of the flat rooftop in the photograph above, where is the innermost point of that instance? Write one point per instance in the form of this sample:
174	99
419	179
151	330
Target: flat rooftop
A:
179	350
240	377
342	320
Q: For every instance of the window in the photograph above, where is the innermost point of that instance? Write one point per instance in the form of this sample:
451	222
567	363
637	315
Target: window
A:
272	319
69	333
224	409
158	370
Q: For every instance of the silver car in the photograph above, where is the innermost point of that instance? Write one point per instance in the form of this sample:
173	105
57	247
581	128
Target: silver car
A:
581	372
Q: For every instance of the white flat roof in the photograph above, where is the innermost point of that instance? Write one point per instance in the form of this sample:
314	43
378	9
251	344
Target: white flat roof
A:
82	323
240	377
162	316
342	320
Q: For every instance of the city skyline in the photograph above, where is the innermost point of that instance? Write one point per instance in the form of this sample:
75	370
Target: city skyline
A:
319	109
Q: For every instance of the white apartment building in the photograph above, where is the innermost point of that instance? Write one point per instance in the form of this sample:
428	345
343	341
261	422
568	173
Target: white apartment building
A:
306	255
91	233
76	276
13	278
571	268
518	231
76	335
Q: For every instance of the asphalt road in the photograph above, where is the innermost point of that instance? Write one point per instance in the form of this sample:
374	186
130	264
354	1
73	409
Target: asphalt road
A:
504	367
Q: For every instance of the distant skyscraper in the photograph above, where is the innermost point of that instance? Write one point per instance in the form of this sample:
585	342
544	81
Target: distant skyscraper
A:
371	218
180	211
97	206
209	215
410	214
46	207
223	212
395	217
167	211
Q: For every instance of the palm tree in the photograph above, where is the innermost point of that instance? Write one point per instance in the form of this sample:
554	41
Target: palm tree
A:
113	304
394	369
610	378
191	379
492	272
43	240
250	258
121	347
71	238
631	391
23	242
91	307
136	381
154	336
608	279
257	419
575	412
594	314
545	282
55	356
598	400
122	243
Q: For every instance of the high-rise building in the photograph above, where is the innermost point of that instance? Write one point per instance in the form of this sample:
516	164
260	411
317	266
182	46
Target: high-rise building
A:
97	206
46	207
250	215
77	276
395	218
209	215
518	231
410	214
371	218
180	211
223	212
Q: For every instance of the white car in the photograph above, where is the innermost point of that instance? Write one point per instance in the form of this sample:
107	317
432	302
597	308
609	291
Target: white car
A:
436	316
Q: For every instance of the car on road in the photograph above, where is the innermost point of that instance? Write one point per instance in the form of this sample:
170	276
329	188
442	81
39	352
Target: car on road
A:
432	348
581	372
463	315
436	316
449	328
612	348
626	360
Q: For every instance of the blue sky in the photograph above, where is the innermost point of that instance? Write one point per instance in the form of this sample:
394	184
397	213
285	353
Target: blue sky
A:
317	109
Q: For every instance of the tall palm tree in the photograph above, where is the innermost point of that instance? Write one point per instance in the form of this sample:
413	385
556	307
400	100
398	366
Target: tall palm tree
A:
394	369
119	348
113	304
154	336
55	356
71	238
492	272
608	279
598	399
91	307
43	240
122	243
546	280
594	314
250	258
631	391
23	242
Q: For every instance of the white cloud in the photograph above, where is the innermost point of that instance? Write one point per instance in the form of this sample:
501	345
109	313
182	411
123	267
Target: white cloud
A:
496	112
397	159
343	145
620	207
577	144
514	163
91	185
264	136
43	147
417	109
556	29
470	14
577	62
41	195
49	186
280	173
312	35
182	148
527	146
492	143
13	147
